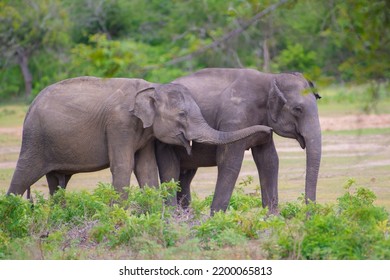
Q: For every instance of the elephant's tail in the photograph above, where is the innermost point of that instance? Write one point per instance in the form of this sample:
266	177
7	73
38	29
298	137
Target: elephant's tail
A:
29	194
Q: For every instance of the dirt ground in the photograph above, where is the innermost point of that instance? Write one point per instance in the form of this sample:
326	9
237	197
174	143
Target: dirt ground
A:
352	122
358	154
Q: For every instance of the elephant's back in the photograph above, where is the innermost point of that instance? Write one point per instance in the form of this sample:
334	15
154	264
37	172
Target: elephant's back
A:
88	91
66	108
225	92
80	90
66	118
81	101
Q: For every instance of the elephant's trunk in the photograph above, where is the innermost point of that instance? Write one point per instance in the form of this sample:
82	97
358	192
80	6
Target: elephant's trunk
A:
312	136
200	131
209	135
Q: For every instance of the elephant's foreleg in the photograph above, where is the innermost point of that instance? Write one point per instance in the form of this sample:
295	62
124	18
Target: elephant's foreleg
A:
121	176
167	161
184	194
121	167
168	165
145	168
229	161
267	162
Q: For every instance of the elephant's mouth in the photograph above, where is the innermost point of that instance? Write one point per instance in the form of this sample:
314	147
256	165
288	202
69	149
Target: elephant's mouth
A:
301	141
300	138
187	144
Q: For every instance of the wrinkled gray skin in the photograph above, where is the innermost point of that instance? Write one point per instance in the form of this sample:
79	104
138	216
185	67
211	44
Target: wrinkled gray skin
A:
232	99
87	124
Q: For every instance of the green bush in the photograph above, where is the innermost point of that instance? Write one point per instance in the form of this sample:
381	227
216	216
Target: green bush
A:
354	228
11	82
75	208
296	58
102	57
150	200
242	201
16	214
80	225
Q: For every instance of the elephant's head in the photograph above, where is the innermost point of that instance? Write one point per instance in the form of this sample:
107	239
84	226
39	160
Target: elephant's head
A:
176	118
293	113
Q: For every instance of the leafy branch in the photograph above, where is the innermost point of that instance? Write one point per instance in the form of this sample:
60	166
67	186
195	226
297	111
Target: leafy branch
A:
227	36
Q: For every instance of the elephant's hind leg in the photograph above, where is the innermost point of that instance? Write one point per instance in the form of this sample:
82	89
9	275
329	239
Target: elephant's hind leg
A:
229	161
145	168
184	194
27	172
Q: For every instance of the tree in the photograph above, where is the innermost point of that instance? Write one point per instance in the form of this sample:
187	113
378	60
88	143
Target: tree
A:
91	17
237	19
363	28
26	27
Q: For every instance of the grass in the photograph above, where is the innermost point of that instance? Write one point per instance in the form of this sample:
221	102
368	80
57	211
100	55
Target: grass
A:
12	115
11	156
98	225
360	132
5	176
9	140
352	99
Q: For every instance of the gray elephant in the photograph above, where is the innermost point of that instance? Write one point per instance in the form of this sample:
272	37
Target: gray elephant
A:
232	99
87	124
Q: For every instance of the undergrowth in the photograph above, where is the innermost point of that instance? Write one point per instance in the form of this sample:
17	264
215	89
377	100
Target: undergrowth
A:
99	225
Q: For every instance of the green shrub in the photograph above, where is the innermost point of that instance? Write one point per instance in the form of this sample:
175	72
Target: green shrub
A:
354	228
15	216
242	201
221	229
75	207
137	226
73	225
200	207
106	194
149	199
296	58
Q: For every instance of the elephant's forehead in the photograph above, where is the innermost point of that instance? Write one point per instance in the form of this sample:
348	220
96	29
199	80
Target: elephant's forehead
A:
296	88
172	108
306	91
299	95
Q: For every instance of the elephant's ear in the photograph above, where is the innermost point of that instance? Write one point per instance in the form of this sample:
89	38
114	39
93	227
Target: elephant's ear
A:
314	89
143	106
276	101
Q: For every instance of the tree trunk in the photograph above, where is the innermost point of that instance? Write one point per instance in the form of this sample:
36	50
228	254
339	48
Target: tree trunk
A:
22	57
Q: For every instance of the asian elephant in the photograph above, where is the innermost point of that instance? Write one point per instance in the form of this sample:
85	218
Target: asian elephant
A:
232	99
87	124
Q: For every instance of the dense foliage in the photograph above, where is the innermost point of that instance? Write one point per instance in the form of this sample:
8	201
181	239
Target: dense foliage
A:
83	225
43	41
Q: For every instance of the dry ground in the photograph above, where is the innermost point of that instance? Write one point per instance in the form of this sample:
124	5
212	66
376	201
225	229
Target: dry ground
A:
354	146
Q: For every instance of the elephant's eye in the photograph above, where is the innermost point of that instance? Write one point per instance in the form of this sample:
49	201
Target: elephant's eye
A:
182	114
298	110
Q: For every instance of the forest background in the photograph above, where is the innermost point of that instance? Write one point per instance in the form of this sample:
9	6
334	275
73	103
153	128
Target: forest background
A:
331	42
